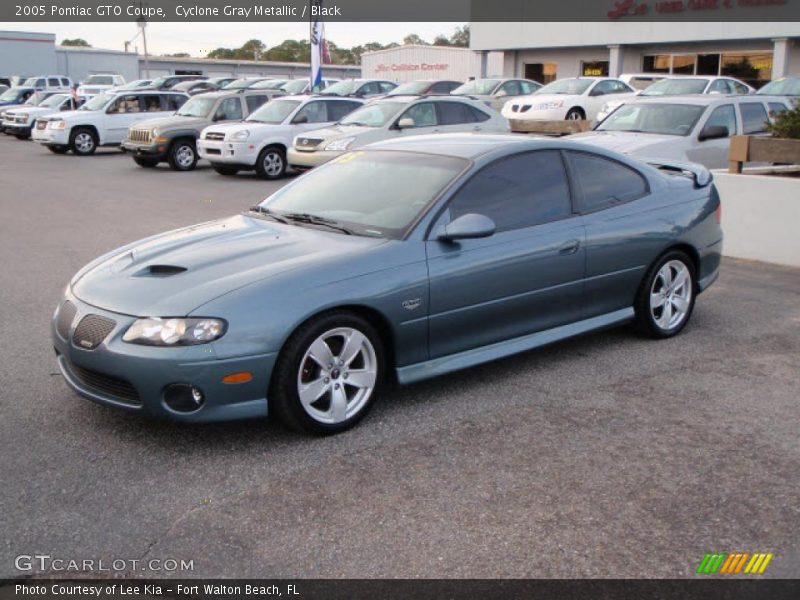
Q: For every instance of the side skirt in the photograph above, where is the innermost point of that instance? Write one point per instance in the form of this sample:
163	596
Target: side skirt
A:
470	358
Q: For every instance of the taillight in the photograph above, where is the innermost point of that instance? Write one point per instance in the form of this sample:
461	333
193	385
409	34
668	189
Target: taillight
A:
718	213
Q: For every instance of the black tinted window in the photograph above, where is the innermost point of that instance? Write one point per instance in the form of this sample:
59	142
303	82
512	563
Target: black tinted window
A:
443	87
152	103
173	101
754	117
604	182
517	192
337	109
478	115
53	82
254	102
776	107
453	113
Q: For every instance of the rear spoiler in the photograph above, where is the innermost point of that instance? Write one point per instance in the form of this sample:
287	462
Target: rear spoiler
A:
697	173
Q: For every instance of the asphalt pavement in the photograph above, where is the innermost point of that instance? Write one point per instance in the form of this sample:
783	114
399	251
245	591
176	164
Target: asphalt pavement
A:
606	456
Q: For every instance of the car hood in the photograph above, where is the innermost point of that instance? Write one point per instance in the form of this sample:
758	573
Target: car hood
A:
32	111
233	127
6	106
173	273
338	131
172	122
69	115
626	142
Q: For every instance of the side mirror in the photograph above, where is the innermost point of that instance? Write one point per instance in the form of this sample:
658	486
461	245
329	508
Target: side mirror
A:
300	119
406	123
713	132
467	227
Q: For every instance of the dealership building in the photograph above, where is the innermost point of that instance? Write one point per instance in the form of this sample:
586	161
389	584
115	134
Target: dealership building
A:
412	62
753	52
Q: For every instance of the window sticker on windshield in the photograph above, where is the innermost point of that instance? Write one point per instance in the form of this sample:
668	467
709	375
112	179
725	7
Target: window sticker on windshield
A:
346	158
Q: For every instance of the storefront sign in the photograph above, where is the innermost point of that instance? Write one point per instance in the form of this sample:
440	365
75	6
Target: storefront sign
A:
384	68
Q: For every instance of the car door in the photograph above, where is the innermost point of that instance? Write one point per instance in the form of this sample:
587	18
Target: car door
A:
425	119
230	109
527	276
121	114
620	237
713	153
310	116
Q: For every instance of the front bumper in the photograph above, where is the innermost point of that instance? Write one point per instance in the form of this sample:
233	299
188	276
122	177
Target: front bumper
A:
229	153
158	151
550	114
134	378
308	160
17	128
51	137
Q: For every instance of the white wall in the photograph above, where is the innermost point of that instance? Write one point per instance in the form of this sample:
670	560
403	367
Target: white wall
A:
409	63
760	217
25	53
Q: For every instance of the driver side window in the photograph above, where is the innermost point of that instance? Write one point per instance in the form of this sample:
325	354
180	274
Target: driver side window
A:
314	111
229	110
424	114
126	104
723	116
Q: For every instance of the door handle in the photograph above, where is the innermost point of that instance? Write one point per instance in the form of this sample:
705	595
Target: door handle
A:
570	247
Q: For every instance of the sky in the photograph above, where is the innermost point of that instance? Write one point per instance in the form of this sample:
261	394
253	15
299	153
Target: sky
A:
199	38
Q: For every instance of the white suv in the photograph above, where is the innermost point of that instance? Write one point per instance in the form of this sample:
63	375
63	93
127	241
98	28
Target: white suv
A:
99	83
260	141
103	120
49	83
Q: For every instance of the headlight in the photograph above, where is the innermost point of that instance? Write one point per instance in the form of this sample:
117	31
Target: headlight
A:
156	331
549	105
241	136
154	132
340	144
24	119
58	124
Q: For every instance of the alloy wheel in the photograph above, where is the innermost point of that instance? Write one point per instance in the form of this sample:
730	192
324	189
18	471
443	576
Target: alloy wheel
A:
273	164
184	156
337	375
671	295
84	142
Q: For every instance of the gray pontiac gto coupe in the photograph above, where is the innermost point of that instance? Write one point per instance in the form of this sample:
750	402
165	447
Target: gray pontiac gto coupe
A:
407	259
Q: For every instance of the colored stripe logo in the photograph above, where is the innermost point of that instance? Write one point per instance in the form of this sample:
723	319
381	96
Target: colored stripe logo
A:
733	563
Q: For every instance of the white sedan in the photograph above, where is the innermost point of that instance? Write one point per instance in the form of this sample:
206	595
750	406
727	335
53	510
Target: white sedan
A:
576	98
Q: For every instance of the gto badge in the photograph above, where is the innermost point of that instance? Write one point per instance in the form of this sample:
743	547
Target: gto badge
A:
412	304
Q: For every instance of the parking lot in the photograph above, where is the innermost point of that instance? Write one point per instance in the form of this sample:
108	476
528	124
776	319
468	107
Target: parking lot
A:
606	456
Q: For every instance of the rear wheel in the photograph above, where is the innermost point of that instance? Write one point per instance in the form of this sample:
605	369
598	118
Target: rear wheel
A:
147	163
271	163
58	149
83	141
223	170
182	155
665	300
576	114
328	374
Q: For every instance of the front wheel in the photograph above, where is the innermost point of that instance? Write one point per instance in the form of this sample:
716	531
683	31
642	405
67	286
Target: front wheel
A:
328	374
183	155
271	163
666	297
83	141
576	114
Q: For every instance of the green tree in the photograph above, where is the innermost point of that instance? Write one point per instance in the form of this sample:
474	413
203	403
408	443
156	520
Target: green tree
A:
415	40
442	40
461	37
76	42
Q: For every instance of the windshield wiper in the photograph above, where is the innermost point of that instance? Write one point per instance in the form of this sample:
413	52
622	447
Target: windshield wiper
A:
266	211
317	220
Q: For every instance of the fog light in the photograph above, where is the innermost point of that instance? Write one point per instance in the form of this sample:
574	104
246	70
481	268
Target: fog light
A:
182	397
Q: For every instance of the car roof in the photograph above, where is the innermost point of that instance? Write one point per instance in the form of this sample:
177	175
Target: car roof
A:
465	145
701	99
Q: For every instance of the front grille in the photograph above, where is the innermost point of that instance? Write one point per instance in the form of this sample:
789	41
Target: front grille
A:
308	142
217	136
41	124
21	119
91	331
66	315
117	388
139	135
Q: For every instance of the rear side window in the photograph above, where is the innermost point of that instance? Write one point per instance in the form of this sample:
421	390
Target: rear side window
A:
173	101
527	87
444	87
126	104
453	113
152	103
255	102
65	82
754	117
776	107
386	87
720	86
338	109
478	115
517	192
604	183
53	82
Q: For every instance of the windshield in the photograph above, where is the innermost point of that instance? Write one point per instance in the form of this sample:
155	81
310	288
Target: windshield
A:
665	119
10	94
196	107
478	86
572	87
373	115
782	87
99	80
269	84
53	101
342	88
675	87
97	102
295	87
274	112
412	87
368	192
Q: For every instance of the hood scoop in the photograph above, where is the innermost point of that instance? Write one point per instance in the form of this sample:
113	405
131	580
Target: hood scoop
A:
160	271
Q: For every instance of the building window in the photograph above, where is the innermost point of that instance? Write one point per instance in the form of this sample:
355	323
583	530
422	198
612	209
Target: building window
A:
683	64
754	69
595	68
660	63
708	64
541	72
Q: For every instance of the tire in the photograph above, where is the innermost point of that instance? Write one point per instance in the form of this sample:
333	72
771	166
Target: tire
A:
223	170
576	114
147	163
323	380
83	141
22	136
182	155
58	149
665	300
271	163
